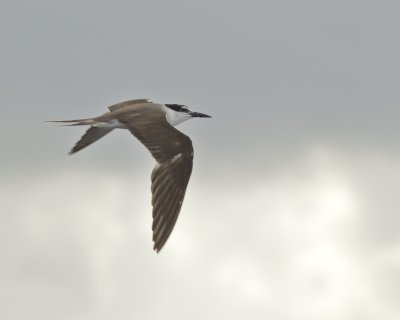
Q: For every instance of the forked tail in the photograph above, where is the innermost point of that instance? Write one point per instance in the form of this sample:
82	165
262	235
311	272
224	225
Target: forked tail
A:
91	135
78	122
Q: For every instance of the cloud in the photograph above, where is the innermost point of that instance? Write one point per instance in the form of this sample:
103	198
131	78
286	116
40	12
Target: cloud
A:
292	208
291	244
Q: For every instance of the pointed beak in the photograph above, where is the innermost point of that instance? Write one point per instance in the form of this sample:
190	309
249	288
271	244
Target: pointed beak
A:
199	115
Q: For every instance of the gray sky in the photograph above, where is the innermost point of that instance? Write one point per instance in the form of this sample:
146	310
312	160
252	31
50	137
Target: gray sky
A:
292	210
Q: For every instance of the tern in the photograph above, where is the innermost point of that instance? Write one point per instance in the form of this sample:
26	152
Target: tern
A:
153	125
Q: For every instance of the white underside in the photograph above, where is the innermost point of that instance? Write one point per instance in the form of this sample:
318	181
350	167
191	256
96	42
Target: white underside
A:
113	124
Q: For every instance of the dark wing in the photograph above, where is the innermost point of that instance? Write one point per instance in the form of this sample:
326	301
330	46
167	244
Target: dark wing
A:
174	153
91	135
168	186
124	104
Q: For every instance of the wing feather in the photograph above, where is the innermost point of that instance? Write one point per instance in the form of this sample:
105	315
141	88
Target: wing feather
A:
173	152
168	195
91	135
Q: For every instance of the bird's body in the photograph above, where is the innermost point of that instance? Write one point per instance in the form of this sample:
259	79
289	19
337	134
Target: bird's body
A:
152	124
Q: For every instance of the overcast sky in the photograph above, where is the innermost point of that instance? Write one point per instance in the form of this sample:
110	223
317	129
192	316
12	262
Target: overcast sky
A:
292	211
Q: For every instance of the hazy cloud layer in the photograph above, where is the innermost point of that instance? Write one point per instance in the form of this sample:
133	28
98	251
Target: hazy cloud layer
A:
292	211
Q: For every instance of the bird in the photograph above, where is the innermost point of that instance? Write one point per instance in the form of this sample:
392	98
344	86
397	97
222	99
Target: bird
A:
153	125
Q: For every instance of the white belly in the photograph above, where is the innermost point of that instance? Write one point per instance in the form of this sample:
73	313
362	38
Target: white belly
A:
113	124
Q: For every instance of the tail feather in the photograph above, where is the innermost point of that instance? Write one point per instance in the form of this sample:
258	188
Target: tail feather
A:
78	122
91	135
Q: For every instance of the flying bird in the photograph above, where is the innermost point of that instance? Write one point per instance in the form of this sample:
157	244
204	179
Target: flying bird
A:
153	125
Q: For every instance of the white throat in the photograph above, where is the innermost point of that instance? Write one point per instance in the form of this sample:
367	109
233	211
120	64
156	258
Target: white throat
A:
175	117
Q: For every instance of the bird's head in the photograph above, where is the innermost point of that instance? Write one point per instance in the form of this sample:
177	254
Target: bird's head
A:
185	110
180	113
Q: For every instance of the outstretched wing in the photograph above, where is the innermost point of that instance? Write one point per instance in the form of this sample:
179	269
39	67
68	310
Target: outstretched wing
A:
173	152
91	135
168	186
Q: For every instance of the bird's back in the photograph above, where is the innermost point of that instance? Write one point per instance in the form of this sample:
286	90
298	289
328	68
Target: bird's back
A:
133	109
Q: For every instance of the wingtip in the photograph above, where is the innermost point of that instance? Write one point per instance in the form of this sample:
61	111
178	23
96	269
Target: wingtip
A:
157	248
72	151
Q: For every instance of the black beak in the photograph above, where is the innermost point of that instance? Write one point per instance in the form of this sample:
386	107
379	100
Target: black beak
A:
199	115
